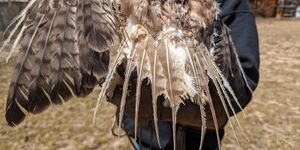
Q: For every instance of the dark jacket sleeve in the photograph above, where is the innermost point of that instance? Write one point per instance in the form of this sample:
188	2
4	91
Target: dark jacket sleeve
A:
239	18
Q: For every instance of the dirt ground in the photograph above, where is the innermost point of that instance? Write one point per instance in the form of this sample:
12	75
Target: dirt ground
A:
272	122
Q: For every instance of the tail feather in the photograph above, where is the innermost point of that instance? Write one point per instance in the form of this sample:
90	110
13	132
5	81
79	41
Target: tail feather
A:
225	87
154	97
138	94
204	78
201	99
49	67
203	121
174	107
116	62
65	57
39	97
128	71
20	79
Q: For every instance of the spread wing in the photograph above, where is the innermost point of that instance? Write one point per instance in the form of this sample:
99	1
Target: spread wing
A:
62	52
162	46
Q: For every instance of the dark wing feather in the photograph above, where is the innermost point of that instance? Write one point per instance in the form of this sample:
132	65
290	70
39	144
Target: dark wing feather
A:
94	37
62	54
38	96
17	101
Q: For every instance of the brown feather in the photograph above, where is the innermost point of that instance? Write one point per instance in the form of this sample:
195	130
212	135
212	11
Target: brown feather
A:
50	61
70	45
39	97
17	99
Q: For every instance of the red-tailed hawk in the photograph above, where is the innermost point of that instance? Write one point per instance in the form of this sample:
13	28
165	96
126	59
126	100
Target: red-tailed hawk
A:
65	47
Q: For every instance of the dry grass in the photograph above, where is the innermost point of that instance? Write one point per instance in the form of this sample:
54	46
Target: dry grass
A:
273	120
274	115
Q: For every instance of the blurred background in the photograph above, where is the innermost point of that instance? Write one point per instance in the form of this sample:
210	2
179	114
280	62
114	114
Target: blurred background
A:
273	117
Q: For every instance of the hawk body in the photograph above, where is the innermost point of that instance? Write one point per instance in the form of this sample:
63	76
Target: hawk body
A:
66	47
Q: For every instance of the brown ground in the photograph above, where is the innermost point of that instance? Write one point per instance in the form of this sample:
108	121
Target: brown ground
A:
273	118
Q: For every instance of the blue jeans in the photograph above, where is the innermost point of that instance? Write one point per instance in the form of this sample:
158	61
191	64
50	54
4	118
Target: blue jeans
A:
147	137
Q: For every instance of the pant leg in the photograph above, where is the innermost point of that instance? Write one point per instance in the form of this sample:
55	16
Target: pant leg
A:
210	139
147	136
193	140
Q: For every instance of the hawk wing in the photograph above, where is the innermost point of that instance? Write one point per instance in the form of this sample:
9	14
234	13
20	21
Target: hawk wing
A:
162	47
62	52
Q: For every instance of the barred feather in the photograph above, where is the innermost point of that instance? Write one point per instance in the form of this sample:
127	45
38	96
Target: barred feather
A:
67	46
51	58
19	86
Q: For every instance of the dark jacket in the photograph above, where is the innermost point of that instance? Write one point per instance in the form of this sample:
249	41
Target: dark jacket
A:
237	15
